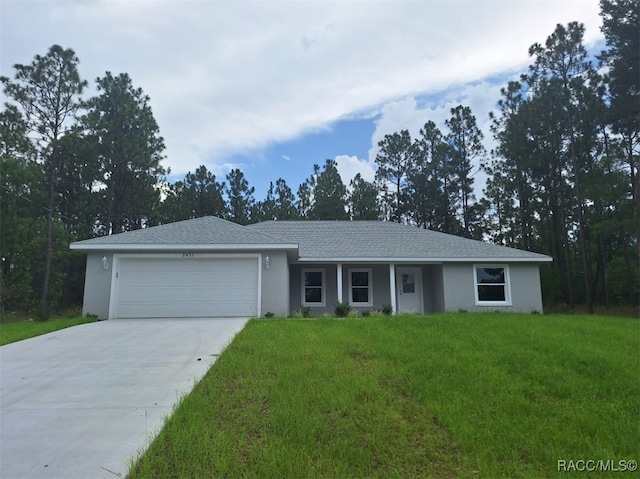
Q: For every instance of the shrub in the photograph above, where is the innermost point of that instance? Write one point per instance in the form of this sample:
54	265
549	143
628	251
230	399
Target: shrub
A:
303	312
387	309
342	309
366	313
269	314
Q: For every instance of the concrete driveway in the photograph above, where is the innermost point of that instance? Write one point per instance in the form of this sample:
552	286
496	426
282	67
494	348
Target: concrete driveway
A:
83	401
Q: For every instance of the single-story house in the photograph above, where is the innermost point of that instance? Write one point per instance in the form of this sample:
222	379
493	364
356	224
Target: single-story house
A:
209	267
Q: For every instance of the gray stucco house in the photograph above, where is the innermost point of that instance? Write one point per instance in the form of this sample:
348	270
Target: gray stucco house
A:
209	267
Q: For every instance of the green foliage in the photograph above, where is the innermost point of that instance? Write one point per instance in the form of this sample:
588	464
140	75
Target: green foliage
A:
432	185
303	312
126	139
561	183
240	197
465	147
47	93
342	310
363	200
278	205
199	194
387	309
329	194
395	161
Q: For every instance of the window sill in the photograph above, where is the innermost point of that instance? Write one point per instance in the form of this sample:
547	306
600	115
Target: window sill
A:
493	303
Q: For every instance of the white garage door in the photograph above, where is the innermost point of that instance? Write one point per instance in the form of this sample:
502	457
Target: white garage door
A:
191	287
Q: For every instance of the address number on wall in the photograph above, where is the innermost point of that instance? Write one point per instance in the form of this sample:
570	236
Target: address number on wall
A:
188	255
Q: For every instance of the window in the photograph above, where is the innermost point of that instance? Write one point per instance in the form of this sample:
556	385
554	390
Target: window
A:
492	285
360	289
313	287
408	283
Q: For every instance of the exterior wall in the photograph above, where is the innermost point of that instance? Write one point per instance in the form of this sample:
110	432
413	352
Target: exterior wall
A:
381	294
275	284
97	285
433	292
459	288
448	287
275	280
295	283
525	287
432	286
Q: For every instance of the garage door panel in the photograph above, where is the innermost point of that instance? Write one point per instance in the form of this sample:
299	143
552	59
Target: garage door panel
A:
193	310
189	287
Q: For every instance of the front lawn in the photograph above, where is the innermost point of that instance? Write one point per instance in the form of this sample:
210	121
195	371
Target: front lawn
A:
453	395
18	330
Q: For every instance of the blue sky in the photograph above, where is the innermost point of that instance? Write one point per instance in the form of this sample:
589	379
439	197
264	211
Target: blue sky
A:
294	159
273	87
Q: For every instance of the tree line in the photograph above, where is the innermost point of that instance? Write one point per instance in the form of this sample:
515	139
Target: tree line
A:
562	180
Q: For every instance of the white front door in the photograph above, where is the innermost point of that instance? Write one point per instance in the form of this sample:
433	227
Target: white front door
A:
409	289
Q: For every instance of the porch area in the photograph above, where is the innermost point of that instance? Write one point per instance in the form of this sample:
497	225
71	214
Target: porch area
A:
406	288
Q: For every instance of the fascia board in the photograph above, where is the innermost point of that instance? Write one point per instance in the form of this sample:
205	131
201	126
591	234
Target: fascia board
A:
541	259
180	247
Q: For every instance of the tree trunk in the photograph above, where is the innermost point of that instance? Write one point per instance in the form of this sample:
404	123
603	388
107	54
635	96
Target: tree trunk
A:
635	187
523	200
602	269
582	221
44	297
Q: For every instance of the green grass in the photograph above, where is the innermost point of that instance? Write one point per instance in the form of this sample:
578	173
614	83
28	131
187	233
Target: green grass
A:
13	331
453	395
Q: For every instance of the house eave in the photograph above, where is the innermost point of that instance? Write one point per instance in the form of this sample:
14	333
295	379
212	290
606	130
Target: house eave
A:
181	247
475	259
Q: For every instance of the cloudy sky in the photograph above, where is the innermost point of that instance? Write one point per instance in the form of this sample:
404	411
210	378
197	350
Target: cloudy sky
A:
272	87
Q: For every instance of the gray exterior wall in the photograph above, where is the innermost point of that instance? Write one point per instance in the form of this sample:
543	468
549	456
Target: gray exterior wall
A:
525	287
295	284
275	284
97	289
446	287
381	294
459	288
97	285
433	292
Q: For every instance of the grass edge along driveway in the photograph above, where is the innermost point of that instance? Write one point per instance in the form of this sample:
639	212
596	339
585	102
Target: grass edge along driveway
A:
12	331
451	395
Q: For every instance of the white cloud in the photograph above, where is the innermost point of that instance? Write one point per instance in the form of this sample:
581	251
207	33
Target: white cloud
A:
408	114
350	166
227	77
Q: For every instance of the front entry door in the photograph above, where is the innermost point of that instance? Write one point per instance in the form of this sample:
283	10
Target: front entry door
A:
409	289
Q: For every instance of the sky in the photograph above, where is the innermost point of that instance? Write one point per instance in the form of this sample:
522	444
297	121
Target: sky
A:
274	87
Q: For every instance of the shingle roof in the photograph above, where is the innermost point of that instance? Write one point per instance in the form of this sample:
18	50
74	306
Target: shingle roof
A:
315	240
360	240
204	231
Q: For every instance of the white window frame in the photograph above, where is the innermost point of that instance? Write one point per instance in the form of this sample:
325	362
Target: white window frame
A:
507	285
369	271
323	287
